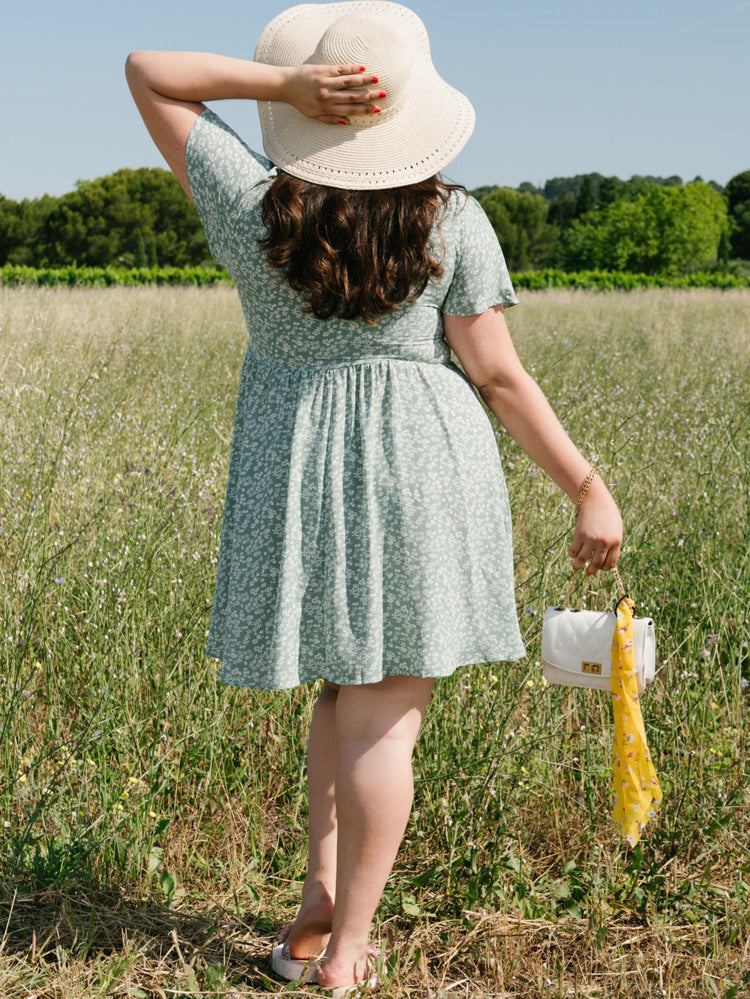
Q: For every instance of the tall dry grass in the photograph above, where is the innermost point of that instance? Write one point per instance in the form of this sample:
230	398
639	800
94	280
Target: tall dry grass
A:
152	834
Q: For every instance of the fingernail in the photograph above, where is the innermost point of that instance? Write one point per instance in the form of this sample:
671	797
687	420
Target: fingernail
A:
343	121
376	110
361	69
375	79
382	94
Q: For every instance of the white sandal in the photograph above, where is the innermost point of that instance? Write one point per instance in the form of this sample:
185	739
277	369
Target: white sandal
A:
291	968
306	970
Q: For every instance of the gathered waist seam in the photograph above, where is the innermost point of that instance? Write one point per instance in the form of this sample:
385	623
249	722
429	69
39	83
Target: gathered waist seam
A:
325	365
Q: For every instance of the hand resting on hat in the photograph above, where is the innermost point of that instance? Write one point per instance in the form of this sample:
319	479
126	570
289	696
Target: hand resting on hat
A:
329	93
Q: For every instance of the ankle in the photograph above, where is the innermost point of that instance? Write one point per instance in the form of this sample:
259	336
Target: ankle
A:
318	894
344	967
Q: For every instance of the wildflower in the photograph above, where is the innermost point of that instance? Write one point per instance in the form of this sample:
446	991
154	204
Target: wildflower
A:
744	683
59	579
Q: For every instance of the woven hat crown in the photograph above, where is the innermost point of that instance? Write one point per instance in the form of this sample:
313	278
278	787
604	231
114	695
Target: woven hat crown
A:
353	38
423	123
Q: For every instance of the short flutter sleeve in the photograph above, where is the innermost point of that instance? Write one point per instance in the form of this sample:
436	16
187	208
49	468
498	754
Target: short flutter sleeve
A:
221	171
481	278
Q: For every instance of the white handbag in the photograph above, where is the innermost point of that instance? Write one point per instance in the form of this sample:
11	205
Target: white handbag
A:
577	646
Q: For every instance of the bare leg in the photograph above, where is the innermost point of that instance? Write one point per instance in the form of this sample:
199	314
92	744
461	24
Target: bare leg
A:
308	934
376	725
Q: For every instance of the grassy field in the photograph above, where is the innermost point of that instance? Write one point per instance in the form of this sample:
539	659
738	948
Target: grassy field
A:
152	820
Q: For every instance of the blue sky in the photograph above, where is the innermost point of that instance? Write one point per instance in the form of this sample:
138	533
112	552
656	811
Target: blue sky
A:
652	86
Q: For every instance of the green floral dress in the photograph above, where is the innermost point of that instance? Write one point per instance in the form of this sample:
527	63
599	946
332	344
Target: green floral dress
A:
366	527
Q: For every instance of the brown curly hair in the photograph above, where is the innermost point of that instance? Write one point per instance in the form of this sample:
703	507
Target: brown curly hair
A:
353	254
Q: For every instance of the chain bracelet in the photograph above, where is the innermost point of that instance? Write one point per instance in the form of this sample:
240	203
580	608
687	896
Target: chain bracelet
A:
584	489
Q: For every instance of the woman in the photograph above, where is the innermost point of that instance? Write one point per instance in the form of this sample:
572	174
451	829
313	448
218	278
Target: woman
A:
366	533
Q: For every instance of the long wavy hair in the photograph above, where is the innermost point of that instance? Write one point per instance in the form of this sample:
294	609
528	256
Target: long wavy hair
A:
353	254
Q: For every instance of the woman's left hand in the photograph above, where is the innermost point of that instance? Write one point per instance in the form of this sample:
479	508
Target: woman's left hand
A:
598	533
330	93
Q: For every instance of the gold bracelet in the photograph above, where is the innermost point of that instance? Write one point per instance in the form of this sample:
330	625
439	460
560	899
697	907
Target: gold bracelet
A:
584	489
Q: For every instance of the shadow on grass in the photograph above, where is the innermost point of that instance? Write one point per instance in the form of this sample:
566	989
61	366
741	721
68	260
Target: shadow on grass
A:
139	939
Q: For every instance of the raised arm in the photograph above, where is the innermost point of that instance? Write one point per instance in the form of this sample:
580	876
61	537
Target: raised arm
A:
483	345
169	89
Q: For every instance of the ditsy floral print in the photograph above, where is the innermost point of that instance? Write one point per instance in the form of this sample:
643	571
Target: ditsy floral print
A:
366	527
636	786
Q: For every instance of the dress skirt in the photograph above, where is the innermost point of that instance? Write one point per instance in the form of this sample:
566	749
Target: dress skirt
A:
366	527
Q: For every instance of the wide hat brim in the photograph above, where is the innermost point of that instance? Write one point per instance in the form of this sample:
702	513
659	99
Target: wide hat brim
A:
414	138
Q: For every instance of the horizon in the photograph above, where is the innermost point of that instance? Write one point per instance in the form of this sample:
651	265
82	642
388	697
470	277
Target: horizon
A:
539	187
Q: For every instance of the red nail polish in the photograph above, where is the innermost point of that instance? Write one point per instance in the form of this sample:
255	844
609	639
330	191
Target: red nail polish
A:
375	80
376	110
343	121
382	94
361	69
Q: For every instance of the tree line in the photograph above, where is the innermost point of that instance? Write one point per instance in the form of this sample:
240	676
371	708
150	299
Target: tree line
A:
134	218
650	225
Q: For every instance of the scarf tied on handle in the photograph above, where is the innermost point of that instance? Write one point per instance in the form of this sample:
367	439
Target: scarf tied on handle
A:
636	786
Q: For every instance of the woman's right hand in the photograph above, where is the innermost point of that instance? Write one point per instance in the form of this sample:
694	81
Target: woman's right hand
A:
598	532
329	92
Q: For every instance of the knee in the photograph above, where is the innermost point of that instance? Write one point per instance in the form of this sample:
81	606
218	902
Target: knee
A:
391	710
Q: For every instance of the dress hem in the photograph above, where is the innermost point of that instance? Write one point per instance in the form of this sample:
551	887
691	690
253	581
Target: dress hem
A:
514	656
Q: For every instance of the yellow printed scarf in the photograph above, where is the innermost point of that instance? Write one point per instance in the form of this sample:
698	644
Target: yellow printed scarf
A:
636	786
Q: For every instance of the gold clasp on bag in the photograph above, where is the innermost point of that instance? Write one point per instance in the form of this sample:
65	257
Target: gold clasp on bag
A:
592	668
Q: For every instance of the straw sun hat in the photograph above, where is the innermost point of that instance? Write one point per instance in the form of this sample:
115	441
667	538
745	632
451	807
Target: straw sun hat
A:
424	122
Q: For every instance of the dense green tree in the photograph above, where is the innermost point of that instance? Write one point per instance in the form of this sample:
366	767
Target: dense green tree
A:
740	238
663	230
738	198
482	192
738	189
520	221
725	249
562	211
9	227
561	187
131	216
103	220
609	190
140	251
586	200
20	225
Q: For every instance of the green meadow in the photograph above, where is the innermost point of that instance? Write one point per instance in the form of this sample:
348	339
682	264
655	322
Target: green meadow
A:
152	821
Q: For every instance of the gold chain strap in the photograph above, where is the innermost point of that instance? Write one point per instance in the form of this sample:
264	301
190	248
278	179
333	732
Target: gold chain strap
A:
618	579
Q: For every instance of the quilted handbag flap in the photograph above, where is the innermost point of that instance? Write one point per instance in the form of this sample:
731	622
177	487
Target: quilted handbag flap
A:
573	637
